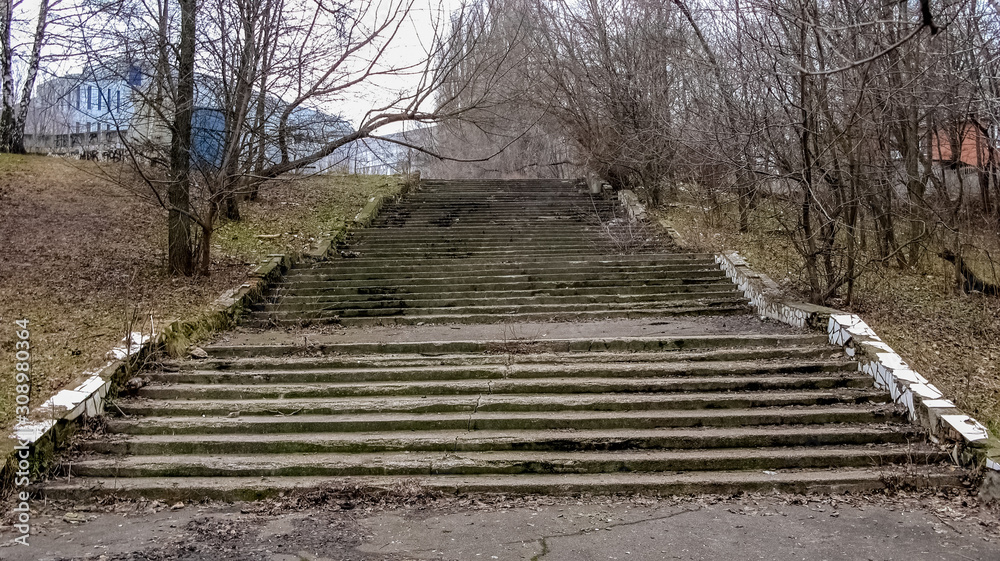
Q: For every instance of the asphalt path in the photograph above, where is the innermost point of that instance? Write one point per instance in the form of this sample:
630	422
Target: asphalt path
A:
409	526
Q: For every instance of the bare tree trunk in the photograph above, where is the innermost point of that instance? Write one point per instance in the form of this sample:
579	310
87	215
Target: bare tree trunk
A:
805	138
179	188
16	140
7	112
205	244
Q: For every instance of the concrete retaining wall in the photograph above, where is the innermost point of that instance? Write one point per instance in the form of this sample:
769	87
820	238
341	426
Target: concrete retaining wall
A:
973	446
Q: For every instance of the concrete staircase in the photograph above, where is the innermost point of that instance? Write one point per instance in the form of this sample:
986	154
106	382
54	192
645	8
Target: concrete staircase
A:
471	252
669	390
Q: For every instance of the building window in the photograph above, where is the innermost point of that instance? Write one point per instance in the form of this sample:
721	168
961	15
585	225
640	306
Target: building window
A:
78	98
78	127
118	99
98	98
90	102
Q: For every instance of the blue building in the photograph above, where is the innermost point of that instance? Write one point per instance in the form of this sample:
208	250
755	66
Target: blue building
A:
93	112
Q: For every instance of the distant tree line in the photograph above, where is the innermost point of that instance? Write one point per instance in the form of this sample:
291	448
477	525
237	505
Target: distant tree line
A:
877	124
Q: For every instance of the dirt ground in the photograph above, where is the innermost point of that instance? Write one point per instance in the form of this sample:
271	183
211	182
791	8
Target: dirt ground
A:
81	253
406	524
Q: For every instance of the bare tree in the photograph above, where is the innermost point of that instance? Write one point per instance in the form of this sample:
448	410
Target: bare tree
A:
244	95
14	111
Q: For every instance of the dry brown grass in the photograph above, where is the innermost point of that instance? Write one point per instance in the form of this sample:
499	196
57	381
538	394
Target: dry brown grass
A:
79	252
952	339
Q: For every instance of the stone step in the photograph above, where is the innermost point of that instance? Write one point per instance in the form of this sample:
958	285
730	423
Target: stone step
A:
503	371
515	353
484	284
515	249
502	403
458	278
441	349
490	463
845	480
486	233
468	300
524	230
503	421
497	253
562	385
510	209
499	440
393	268
449	316
596	260
436	292
502	276
494	308
592	225
558	219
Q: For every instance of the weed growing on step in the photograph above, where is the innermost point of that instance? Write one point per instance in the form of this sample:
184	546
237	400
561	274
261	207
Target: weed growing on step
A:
510	344
623	236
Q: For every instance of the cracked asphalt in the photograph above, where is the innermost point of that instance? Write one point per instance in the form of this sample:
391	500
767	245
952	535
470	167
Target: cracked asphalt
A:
407	525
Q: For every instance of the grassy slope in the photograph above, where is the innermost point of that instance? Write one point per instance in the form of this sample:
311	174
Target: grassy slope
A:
79	252
953	340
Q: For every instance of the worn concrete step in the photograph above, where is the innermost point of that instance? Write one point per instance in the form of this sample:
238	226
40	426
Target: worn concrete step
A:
845	480
498	440
500	274
595	260
456	268
491	252
490	231
505	421
469	300
486	284
501	306
501	402
502	371
526	208
424	292
602	345
514	248
472	234
523	210
447	316
521	353
491	463
638	260
458	280
562	220
527	385
497	284
535	227
515	207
